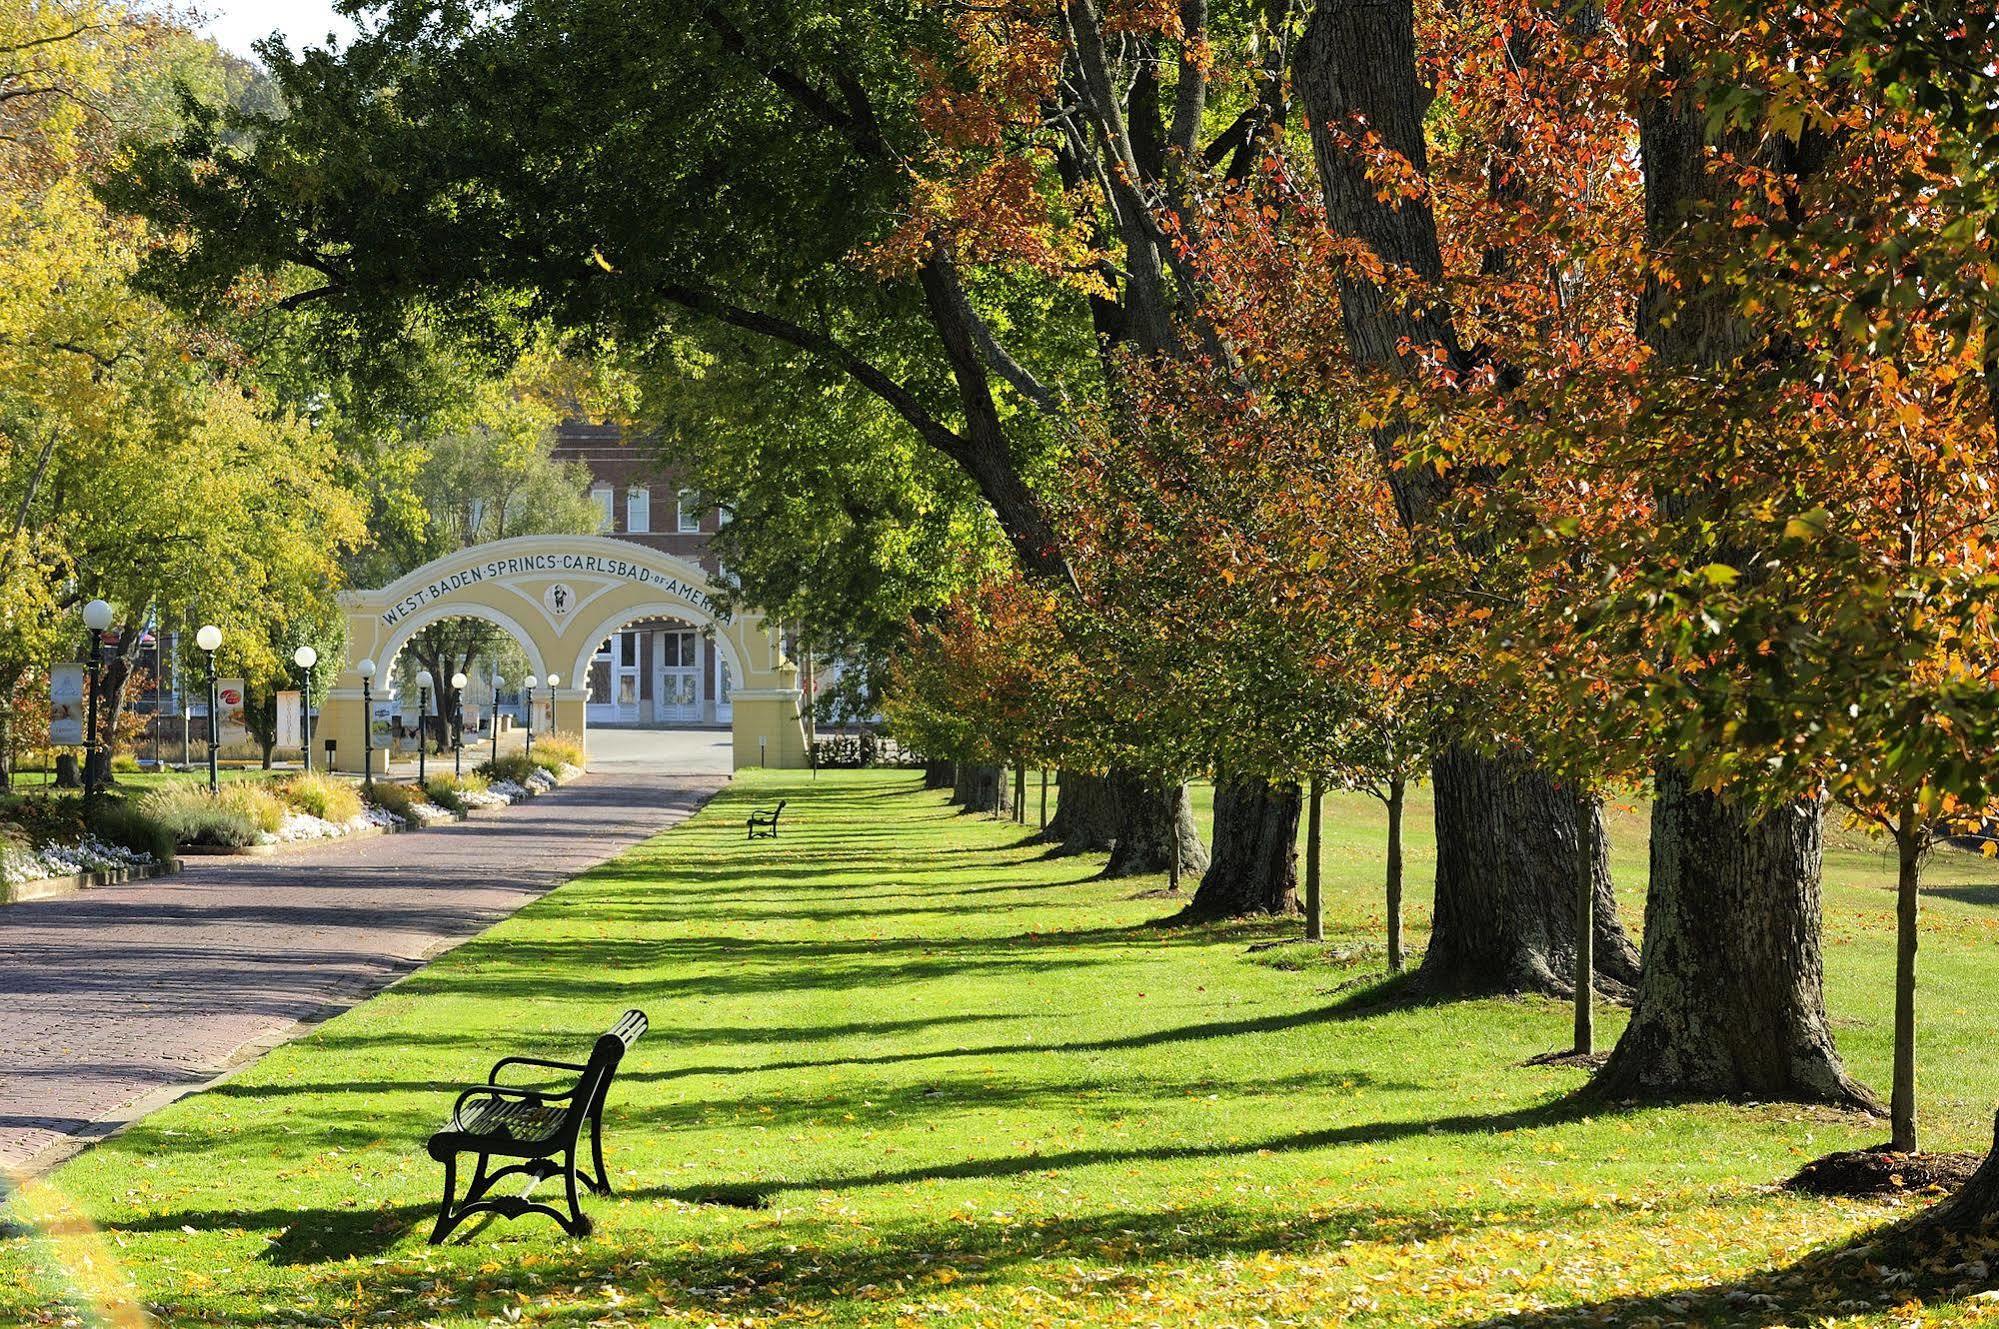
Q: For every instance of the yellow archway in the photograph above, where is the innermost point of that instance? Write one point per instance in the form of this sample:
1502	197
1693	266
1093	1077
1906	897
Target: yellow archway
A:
559	596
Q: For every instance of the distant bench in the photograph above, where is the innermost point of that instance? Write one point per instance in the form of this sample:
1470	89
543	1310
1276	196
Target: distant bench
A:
765	823
542	1127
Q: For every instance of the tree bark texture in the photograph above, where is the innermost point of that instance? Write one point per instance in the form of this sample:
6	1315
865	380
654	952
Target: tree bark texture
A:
1255	865
940	774
1731	1001
1153	822
1085	820
981	788
1512	843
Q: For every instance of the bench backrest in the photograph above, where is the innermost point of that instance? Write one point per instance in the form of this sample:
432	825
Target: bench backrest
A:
609	1050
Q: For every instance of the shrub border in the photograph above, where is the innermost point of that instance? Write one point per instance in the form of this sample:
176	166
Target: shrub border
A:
49	888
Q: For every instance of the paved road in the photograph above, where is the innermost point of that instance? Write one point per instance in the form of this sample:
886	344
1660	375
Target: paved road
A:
114	1000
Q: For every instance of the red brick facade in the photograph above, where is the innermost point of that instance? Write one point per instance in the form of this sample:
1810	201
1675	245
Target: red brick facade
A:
644	681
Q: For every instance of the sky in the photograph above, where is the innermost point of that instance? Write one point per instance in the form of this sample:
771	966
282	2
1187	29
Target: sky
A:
237	23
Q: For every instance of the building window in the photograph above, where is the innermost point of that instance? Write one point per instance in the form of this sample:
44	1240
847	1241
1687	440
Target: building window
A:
690	512
638	510
601	496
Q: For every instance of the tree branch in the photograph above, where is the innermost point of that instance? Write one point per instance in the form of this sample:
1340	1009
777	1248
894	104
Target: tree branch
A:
899	399
858	128
996	355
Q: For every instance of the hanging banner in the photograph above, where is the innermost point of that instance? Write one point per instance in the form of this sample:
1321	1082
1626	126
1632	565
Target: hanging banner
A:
230	727
288	718
66	705
382	725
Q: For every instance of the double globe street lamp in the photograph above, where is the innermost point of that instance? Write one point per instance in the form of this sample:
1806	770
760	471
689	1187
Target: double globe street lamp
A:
96	617
305	658
209	639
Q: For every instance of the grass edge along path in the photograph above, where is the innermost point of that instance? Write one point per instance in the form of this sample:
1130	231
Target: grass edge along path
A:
905	1069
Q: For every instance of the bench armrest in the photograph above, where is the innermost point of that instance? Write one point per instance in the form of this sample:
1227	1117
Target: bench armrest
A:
504	1062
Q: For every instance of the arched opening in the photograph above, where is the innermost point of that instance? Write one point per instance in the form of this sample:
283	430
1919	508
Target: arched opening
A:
486	646
659	667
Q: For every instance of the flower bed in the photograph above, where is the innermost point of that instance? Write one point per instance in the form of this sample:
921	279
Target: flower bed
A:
20	864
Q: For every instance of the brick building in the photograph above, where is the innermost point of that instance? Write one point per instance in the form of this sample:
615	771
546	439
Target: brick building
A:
659	671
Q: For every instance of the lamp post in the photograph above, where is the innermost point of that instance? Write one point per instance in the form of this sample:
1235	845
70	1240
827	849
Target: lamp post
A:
527	689
458	725
553	679
209	639
423	682
96	617
366	669
305	658
493	718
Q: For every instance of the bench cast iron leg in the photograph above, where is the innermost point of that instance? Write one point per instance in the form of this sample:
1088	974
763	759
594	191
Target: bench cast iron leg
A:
579	1222
445	1222
603	1183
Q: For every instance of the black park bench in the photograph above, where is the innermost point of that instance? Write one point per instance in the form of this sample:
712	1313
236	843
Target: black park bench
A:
541	1127
765	823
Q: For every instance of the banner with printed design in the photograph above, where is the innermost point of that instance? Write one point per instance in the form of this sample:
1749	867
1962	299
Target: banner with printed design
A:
66	720
289	733
230	726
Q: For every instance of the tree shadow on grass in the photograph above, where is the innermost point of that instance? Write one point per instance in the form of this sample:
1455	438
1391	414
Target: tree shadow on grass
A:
318	1235
1872	1274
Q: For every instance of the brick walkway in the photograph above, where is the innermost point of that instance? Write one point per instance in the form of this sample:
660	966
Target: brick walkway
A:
113	1000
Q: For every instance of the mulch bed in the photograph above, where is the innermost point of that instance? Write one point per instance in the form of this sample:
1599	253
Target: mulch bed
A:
1862	1173
1589	1061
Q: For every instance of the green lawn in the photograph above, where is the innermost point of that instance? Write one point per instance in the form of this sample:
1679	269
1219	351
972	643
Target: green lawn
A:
138	782
905	1070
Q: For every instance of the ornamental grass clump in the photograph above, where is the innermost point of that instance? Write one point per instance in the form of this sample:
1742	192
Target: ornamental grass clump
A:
192	816
514	768
461	793
403	801
320	795
557	751
441	791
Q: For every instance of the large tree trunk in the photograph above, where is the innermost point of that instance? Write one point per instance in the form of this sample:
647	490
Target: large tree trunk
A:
1510	839
981	788
940	774
1153	822
1731	1001
1255	864
1085	820
1511	843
